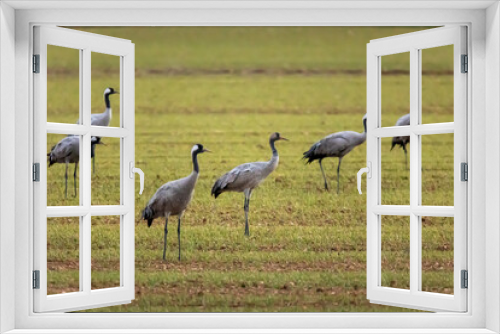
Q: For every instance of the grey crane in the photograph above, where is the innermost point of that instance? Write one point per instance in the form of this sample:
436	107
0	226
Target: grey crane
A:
335	145
68	151
246	177
104	118
172	199
402	140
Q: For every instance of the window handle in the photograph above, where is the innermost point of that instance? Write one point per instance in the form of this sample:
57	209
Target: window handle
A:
368	171
138	171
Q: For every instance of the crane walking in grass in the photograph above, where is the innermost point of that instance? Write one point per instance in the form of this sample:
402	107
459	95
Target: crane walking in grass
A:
335	145
102	119
402	140
68	151
172	199
245	178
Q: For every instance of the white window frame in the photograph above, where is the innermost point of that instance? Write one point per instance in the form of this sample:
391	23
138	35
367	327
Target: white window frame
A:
483	21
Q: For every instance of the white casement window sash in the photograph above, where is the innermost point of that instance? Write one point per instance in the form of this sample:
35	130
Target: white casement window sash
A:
87	297
415	297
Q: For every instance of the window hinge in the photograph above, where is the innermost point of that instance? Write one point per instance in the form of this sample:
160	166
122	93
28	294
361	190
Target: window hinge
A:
36	279
465	279
465	64
464	171
36	63
36	172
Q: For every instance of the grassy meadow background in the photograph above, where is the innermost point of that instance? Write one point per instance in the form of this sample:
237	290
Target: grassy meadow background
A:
229	88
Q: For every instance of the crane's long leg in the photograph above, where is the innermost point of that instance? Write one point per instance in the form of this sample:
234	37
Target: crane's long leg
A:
323	172
165	239
406	155
74	177
93	165
338	175
179	235
246	207
66	181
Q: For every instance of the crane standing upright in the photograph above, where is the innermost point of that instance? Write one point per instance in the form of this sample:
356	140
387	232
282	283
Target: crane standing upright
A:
172	199
246	177
102	119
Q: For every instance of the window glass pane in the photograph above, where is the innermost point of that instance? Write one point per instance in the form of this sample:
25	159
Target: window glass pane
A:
395	175
63	173
437	254
395	252
105	251
437	169
63	255
437	84
63	84
106	172
395	90
105	88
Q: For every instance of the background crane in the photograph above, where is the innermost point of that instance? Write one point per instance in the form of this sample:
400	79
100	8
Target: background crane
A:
335	145
402	140
246	177
102	119
68	151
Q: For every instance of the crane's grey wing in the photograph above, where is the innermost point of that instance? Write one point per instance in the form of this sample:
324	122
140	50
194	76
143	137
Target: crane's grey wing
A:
96	119
67	147
244	176
403	120
236	175
333	145
99	119
158	203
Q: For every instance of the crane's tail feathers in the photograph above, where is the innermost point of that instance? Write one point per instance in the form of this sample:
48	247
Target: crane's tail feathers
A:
49	159
217	189
148	214
396	141
310	155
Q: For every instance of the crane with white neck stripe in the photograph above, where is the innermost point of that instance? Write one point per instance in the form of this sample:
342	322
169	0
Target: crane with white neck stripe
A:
102	119
172	199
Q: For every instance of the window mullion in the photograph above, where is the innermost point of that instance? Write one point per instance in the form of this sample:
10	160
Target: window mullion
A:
85	172
414	170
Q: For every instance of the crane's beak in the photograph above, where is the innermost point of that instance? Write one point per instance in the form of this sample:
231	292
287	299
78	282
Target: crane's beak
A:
207	150
284	138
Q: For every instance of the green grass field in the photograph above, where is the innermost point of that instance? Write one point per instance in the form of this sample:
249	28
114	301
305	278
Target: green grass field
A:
229	89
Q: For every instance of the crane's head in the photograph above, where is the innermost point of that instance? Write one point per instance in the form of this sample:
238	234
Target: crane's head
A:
198	148
110	91
276	136
95	141
364	122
